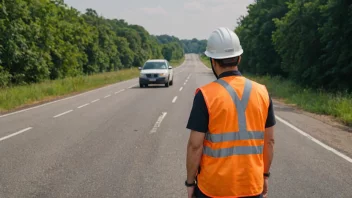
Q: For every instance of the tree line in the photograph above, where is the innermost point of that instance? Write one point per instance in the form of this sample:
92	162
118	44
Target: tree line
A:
194	45
171	47
47	39
307	41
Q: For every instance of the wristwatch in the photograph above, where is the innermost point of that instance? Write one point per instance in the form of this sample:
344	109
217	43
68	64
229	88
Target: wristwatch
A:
267	174
190	185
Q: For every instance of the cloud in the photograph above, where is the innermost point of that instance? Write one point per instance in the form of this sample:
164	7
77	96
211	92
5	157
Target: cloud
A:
194	5
154	11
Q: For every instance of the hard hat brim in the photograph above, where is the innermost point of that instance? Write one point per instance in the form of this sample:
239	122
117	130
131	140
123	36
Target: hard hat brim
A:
223	56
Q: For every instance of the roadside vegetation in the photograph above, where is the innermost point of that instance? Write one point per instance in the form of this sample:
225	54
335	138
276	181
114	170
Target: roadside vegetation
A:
176	63
17	96
48	49
301	50
23	95
194	45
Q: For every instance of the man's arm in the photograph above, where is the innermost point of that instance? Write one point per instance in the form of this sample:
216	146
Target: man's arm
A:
268	148
198	124
194	154
269	139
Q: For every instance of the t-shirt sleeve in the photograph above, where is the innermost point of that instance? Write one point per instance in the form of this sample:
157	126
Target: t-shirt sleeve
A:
270	120
199	116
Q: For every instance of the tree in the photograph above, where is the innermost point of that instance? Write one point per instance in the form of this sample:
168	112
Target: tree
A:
47	39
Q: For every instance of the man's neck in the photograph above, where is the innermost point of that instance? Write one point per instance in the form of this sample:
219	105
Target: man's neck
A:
229	69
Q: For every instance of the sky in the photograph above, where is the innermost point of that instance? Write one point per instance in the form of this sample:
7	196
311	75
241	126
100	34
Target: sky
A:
185	19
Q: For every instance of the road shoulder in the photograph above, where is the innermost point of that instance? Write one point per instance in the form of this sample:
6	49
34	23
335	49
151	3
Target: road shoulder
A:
323	128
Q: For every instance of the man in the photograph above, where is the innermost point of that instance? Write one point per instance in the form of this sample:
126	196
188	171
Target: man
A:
230	148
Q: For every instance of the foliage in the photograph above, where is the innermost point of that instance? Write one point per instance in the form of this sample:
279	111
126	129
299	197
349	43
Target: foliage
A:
306	41
172	48
194	46
46	39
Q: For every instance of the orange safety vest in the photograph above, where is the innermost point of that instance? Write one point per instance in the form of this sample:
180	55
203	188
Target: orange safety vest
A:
232	162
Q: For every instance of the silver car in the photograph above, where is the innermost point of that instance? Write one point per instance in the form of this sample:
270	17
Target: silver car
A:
156	71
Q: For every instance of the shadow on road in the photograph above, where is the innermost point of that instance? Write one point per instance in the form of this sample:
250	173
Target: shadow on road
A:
150	87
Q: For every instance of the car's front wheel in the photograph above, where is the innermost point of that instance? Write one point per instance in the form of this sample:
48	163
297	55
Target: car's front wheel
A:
172	81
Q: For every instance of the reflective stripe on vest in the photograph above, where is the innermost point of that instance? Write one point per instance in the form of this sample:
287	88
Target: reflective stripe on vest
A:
242	134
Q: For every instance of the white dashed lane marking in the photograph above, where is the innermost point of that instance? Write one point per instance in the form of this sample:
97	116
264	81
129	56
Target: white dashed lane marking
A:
61	114
83	106
120	91
132	86
174	100
14	134
95	101
158	122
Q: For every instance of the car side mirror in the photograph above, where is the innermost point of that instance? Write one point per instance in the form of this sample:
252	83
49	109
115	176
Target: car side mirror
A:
170	67
140	68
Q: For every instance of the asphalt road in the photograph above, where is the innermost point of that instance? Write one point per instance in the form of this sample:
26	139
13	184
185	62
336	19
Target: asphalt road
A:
124	141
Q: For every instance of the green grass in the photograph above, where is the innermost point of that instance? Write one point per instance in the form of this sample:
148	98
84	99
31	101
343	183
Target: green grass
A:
206	61
176	63
14	97
319	102
19	96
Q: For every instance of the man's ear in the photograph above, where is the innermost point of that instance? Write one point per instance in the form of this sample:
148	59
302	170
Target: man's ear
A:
212	62
239	60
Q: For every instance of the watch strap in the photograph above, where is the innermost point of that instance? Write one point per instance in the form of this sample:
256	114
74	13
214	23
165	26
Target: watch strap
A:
190	185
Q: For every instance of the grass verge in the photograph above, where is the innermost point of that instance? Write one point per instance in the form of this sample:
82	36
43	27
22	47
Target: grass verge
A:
319	102
205	60
17	97
176	63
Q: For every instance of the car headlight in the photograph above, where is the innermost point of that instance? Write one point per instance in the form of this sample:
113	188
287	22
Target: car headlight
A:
142	75
163	74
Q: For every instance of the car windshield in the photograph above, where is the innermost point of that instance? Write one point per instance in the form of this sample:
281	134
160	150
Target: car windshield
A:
155	65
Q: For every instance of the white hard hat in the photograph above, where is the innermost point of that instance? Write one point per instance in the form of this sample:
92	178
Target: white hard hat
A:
223	43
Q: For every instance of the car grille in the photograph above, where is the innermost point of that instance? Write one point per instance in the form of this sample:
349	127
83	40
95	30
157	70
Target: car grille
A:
152	75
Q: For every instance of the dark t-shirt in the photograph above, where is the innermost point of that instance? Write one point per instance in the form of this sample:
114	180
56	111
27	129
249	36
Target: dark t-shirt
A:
199	117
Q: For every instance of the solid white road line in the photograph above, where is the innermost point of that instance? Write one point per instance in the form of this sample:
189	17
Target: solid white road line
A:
181	88
107	96
14	134
61	114
120	91
158	122
95	101
315	140
174	100
83	106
